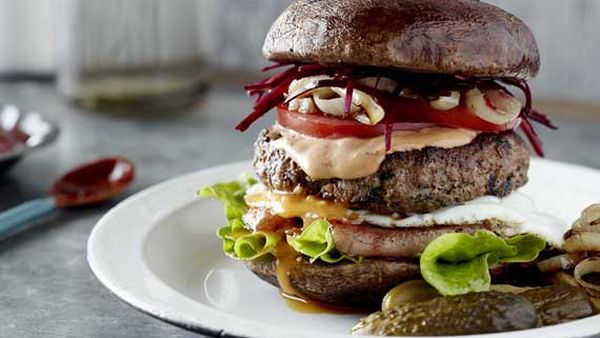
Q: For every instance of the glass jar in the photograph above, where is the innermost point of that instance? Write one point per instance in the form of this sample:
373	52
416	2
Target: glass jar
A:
130	55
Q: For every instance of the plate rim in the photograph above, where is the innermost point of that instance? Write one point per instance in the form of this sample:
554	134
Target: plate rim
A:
93	263
212	331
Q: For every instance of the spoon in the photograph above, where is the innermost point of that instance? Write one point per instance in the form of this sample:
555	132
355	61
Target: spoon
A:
88	184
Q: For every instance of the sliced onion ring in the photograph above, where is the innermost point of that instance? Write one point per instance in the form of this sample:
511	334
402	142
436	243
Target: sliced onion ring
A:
299	87
303	105
334	106
559	263
444	103
582	241
579	227
586	267
494	106
590	218
373	110
325	100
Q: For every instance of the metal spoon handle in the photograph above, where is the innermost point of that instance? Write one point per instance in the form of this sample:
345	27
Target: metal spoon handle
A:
18	218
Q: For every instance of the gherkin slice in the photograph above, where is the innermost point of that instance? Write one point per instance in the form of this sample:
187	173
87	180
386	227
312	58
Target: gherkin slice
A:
471	313
559	303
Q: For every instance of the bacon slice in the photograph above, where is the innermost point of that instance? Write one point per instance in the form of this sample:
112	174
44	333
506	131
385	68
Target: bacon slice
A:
370	241
365	240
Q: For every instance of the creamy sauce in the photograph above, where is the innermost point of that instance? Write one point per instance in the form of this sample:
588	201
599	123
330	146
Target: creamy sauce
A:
349	157
308	208
287	258
311	306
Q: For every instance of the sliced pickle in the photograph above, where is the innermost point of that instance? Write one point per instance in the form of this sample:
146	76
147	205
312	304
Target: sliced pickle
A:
413	291
472	313
559	303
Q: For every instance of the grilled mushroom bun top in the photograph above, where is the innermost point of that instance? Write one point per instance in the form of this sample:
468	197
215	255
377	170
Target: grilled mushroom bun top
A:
464	37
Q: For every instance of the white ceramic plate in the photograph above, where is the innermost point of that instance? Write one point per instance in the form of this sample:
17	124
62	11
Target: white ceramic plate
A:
158	252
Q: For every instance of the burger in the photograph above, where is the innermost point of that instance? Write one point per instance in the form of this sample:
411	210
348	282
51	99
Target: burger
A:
395	154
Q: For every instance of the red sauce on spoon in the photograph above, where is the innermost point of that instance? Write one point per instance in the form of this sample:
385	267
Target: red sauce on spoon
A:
93	182
8	139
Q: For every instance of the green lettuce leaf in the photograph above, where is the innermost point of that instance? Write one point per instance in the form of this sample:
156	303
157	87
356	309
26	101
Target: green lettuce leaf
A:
254	245
316	242
231	194
528	248
238	242
459	263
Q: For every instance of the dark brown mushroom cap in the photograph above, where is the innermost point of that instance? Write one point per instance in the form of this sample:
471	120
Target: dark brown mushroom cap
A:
346	284
465	37
355	285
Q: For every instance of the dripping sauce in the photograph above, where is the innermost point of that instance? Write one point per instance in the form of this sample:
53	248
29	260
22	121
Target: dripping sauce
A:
286	260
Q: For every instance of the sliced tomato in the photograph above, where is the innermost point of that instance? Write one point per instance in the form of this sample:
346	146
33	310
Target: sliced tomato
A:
405	114
321	126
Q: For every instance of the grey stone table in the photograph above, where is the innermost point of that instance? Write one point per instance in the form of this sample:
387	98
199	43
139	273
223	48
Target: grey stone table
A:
46	287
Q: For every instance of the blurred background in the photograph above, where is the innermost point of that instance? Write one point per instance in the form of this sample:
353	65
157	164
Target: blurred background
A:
160	83
230	35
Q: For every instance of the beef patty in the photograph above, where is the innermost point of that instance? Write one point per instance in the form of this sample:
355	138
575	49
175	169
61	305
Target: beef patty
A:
417	181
